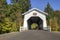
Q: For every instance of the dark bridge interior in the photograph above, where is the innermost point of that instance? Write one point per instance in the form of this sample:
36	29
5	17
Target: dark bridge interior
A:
36	20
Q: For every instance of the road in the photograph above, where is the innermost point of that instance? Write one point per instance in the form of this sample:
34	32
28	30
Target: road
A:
31	35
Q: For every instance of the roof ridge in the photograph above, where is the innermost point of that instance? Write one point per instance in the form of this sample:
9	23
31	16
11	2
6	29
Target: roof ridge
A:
34	9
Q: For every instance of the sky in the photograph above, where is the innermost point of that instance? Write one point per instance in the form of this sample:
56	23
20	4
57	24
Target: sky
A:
41	4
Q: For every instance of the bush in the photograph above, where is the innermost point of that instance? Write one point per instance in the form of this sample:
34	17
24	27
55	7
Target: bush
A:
34	26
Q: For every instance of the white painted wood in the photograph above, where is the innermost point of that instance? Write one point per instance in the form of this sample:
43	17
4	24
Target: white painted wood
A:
39	13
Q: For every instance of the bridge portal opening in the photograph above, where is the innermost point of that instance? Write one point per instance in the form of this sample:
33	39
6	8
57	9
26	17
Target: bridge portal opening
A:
35	23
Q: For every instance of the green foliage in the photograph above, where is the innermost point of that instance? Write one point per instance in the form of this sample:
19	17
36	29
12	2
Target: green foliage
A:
50	11
23	5
34	25
11	15
57	15
6	26
53	18
14	27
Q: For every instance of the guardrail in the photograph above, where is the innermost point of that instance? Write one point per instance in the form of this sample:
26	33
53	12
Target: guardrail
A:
21	29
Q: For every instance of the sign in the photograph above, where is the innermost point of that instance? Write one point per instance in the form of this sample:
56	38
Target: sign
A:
34	13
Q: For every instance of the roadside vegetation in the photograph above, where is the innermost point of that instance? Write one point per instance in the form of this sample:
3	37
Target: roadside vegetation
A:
34	26
11	15
53	18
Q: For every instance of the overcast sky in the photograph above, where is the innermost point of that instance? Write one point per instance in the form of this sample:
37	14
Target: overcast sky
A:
41	4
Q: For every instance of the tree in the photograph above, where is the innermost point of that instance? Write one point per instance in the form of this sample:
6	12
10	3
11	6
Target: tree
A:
19	7
6	26
3	11
11	14
14	27
50	16
50	11
23	5
3	7
57	16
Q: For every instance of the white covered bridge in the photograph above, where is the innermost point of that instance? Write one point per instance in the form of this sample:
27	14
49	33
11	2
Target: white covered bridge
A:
34	16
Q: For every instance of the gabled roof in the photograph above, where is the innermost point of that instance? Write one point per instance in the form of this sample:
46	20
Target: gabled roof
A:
34	9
